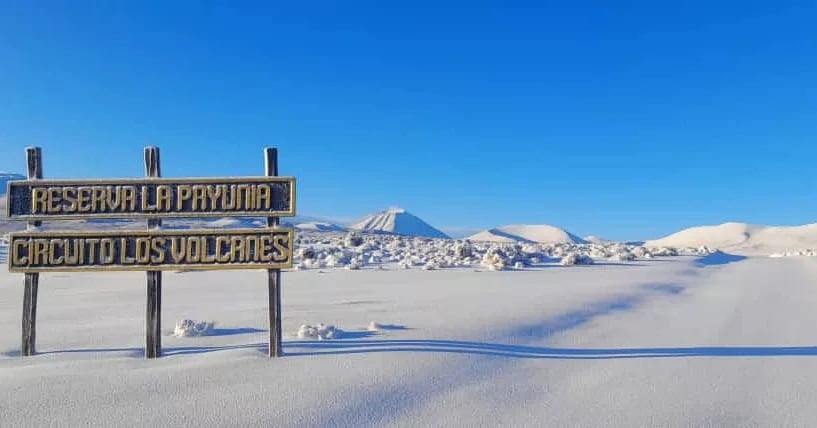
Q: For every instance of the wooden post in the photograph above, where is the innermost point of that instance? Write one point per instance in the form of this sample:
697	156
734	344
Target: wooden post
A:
153	320
34	161
273	275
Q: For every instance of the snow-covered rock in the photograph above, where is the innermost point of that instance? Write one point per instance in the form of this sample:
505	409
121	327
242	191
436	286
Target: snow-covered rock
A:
189	328
319	332
576	259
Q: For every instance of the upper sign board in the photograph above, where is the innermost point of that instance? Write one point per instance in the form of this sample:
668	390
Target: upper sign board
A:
32	200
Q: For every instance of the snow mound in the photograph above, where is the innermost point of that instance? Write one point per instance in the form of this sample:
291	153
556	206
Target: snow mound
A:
374	327
320	227
224	222
541	233
319	332
743	237
399	222
190	328
597	240
574	259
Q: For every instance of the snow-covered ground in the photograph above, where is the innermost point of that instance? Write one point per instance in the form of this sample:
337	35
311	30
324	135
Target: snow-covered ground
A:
714	340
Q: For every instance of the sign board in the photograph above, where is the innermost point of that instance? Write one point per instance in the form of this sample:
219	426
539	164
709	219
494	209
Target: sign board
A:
151	250
151	198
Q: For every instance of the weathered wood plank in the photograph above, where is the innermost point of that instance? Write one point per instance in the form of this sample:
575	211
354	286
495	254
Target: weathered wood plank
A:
153	319
151	250
34	162
273	275
151	197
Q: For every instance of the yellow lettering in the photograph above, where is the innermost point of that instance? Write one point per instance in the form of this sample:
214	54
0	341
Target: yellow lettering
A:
233	201
106	251
52	252
129	198
69	194
98	199
143	250
123	252
114	203
241	191
38	200
38	251
54	200
264	199
266	249
236	249
92	244
193	250
220	255
177	249
146	206
282	251
72	258
17	259
200	198
84	199
184	193
157	245
163	199
254	244
206	256
215	193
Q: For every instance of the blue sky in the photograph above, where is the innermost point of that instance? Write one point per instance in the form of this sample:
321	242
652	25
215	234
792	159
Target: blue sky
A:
628	121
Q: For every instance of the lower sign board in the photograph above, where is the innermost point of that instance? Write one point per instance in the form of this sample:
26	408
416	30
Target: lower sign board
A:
151	250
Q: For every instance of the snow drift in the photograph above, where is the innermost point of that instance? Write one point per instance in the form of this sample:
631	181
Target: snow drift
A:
399	222
318	226
543	234
743	237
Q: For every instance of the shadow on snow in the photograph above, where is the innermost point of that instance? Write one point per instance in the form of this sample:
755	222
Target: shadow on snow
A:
355	346
528	352
718	259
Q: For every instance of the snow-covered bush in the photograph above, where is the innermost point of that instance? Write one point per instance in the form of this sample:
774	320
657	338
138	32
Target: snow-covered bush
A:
353	239
463	250
576	259
623	257
188	328
664	252
319	332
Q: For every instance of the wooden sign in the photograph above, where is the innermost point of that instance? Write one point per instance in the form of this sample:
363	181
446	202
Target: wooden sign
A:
151	198
151	250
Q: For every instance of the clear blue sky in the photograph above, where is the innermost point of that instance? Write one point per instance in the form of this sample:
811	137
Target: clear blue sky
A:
628	121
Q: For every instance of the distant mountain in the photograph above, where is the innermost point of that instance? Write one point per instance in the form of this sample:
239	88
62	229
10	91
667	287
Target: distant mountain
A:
317	226
597	240
5	177
541	233
399	222
742	237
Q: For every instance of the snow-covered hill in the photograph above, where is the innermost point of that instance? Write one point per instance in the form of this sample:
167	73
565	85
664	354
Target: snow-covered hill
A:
541	233
743	237
399	222
597	240
318	226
